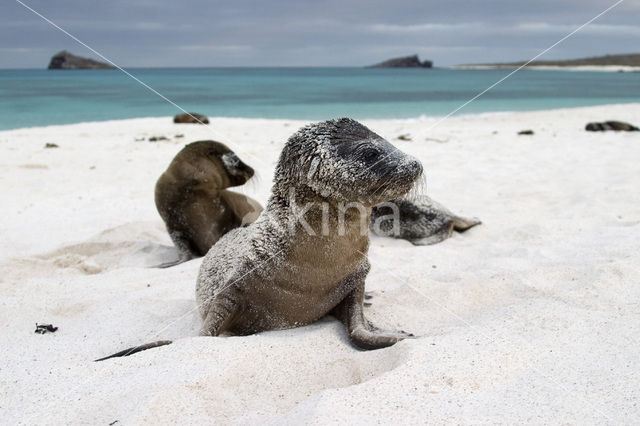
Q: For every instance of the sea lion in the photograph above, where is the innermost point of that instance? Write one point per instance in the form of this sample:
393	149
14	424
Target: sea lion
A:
306	255
610	125
191	118
420	220
193	202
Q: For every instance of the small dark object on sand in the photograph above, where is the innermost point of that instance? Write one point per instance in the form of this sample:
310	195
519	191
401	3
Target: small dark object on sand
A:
191	118
43	328
610	125
136	349
51	145
157	138
179	135
406	137
525	132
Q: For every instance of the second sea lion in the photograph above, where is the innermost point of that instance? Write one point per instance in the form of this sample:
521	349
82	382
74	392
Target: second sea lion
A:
193	202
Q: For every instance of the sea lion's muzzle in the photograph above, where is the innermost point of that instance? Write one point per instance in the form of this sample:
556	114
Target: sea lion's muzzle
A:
240	171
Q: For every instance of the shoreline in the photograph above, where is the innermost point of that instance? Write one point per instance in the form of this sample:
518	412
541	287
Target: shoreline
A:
575	68
420	118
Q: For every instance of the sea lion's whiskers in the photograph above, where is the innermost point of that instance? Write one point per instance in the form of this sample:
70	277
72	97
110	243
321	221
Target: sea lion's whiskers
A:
253	183
382	188
417	191
386	183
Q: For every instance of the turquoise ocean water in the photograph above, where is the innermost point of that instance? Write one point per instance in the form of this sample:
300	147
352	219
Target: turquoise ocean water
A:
41	97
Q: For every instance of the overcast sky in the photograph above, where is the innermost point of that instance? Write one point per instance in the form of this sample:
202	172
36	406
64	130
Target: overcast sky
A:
140	33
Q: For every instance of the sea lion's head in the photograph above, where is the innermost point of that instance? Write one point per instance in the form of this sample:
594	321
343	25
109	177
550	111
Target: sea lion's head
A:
342	160
214	163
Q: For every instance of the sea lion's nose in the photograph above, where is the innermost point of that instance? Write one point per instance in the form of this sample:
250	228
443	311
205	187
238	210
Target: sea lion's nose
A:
414	167
418	167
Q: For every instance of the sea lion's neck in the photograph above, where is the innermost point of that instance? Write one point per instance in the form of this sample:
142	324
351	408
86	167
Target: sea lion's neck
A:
198	176
210	185
312	219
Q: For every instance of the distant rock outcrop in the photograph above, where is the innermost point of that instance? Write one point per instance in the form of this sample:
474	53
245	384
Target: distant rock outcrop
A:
610	125
66	61
626	60
404	62
191	118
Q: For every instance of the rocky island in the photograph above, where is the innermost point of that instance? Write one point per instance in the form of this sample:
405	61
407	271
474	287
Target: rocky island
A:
67	61
404	62
612	62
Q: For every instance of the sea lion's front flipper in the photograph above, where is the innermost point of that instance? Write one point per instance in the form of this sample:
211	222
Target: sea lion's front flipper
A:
221	312
170	264
185	250
184	257
244	208
361	332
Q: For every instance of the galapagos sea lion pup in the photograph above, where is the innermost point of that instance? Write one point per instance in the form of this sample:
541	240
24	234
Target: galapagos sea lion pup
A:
305	256
193	202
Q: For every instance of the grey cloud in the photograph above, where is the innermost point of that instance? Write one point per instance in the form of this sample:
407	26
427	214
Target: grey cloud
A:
313	33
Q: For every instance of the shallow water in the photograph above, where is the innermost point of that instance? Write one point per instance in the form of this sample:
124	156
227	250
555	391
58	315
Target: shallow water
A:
43	97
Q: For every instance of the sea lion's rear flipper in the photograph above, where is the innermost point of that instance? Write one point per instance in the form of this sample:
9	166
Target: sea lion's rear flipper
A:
436	237
170	264
136	349
457	223
461	224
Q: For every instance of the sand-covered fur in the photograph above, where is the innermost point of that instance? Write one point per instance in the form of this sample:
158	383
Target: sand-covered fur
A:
281	272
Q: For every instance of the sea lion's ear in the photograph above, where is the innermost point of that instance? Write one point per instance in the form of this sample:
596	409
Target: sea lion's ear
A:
313	168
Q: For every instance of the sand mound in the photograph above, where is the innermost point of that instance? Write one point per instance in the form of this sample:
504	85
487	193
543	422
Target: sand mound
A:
128	245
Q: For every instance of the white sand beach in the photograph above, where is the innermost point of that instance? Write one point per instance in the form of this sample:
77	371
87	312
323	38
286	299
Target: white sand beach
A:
531	318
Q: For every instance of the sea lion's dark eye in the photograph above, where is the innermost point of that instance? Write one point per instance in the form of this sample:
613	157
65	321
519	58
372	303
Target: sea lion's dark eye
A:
370	154
212	153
